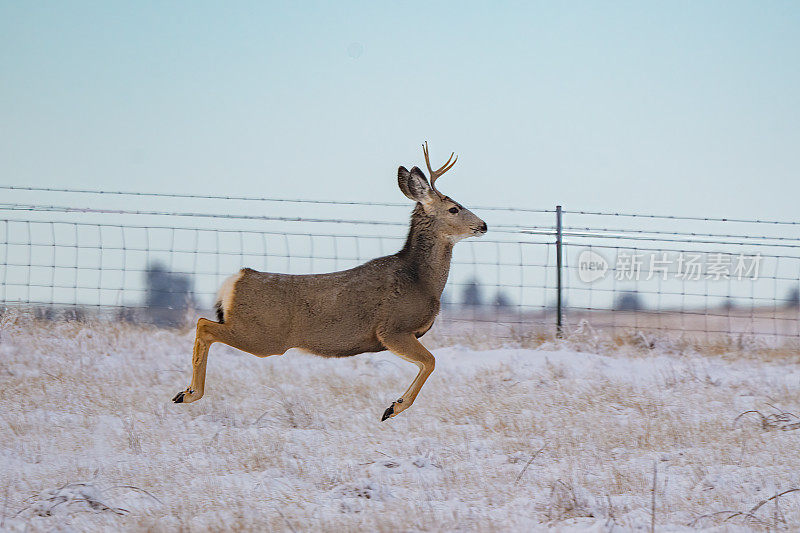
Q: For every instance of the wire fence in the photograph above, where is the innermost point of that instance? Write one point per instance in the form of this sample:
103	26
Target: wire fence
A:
159	258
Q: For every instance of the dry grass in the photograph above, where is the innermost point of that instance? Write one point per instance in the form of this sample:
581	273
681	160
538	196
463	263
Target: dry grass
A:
497	441
617	340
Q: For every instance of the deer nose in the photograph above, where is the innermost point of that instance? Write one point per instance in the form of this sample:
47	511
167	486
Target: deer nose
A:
484	228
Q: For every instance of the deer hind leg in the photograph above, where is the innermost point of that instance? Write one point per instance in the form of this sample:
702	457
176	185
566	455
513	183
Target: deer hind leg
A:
208	333
409	348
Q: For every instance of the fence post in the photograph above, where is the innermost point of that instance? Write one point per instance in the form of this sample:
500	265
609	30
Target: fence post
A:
559	325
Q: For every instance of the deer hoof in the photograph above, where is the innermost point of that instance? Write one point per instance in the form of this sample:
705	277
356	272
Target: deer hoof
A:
389	413
181	397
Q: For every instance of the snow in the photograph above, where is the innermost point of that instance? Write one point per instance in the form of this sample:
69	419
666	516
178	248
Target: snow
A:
510	439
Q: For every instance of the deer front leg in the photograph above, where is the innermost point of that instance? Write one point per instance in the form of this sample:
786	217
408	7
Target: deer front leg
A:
203	340
409	348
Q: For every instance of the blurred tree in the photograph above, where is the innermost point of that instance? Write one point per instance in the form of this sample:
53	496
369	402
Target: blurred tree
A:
628	301
126	314
793	299
44	312
471	296
167	295
75	313
501	300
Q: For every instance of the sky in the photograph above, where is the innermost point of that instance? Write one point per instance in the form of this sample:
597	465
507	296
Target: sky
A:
682	108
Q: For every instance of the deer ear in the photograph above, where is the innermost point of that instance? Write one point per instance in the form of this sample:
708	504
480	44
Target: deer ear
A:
402	181
414	185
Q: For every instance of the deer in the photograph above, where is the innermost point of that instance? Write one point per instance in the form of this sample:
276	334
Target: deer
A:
387	303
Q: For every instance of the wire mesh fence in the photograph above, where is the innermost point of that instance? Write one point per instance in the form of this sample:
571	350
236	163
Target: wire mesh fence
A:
159	258
685	275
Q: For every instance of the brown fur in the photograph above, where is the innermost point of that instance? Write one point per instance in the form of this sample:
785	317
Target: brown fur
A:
386	303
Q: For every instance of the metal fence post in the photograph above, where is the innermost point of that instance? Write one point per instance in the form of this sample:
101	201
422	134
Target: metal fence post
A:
558	272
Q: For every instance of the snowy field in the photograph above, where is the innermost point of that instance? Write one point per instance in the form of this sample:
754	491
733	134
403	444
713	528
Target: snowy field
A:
563	436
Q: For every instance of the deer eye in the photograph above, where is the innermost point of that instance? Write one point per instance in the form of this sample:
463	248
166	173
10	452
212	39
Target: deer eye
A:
453	210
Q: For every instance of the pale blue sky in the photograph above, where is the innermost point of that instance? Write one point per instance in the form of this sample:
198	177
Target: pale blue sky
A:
686	108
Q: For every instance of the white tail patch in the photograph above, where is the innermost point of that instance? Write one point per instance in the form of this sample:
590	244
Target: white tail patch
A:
225	293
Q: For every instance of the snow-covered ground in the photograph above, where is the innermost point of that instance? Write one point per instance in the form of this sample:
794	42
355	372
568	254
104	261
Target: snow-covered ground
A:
511	439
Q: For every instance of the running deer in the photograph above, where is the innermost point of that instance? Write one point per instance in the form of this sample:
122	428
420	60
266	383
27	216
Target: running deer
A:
384	304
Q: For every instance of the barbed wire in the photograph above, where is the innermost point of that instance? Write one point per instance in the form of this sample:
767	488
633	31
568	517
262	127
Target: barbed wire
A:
682	233
384	204
252	198
621	236
501	228
107	211
677	217
636	247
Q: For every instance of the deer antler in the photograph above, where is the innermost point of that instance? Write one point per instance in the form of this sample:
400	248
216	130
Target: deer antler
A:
436	174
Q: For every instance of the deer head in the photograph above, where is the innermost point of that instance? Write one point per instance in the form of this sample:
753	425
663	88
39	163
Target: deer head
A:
448	217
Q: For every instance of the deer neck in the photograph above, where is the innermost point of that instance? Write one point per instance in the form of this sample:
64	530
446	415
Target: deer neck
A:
426	253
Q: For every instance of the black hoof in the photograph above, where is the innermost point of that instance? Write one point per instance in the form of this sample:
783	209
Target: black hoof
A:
387	413
179	397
